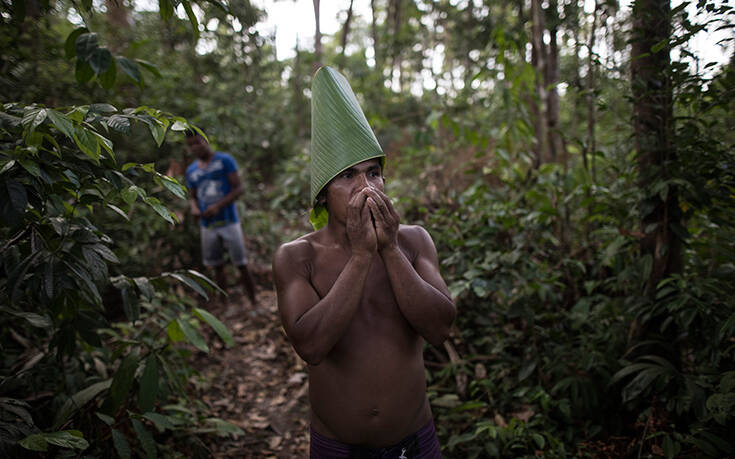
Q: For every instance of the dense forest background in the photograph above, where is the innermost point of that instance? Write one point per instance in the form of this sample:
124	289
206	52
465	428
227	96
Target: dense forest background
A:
572	160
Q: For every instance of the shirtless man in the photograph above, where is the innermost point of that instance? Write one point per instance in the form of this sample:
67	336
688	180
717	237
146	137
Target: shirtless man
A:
357	299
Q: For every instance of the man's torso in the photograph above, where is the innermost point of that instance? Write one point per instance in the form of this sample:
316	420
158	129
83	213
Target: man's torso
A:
371	388
212	184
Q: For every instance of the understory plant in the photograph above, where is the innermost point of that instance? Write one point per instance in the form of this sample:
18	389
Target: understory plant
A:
94	359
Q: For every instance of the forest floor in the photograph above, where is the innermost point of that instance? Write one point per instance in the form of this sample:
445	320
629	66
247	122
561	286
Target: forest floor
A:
259	384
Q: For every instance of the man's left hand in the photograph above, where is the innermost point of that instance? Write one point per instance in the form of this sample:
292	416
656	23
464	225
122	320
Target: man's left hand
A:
211	211
386	218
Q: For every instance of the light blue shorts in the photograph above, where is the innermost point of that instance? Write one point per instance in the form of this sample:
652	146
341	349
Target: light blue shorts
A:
216	238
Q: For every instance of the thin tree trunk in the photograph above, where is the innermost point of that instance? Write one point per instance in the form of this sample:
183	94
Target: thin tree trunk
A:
538	106
552	80
345	33
374	32
653	128
317	38
396	52
591	103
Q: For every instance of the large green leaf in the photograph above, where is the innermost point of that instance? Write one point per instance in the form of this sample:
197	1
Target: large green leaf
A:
121	444
130	68
85	44
215	323
146	439
79	400
70	49
61	122
122	382
192	335
100	60
188	281
148	384
340	134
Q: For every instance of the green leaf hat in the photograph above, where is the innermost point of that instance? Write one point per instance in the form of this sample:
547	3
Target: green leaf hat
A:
340	135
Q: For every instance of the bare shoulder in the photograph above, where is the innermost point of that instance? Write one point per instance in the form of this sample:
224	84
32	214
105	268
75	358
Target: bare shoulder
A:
414	236
416	242
294	256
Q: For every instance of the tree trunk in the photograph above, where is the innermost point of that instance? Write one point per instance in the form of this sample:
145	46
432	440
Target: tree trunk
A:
317	38
552	80
591	102
374	32
538	105
653	129
396	51
345	33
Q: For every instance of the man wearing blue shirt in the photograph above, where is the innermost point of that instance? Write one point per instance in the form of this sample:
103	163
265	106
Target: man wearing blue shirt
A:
214	184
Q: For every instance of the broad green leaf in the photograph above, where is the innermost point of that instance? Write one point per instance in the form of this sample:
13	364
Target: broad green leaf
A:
109	420
17	194
31	166
83	71
215	323
188	281
105	142
9	165
118	211
87	143
174	332
209	282
34	442
62	123
131	306
79	400
131	193
33	118
108	77
85	44
160	209
160	421
145	287
220	427
122	381
130	68
173	186
102	108
81	273
150	67
100	60
158	131
148	384
121	444
67	439
70	44
146	439
192	335
106	253
119	123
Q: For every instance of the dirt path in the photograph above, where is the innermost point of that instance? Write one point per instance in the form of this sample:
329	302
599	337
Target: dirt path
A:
259	384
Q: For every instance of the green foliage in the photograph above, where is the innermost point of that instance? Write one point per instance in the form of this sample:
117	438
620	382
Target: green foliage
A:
100	343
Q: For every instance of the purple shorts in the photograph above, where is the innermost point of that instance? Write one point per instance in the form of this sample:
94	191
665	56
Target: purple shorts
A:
422	445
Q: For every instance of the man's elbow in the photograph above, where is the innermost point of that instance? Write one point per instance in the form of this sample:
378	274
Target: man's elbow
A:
309	354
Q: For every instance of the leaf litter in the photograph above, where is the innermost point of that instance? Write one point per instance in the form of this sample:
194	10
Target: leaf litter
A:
259	384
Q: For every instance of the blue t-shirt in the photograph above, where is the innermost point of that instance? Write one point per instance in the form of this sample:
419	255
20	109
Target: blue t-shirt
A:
211	184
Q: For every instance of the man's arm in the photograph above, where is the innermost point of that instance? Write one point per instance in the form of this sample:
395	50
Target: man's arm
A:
193	203
235	191
420	291
315	325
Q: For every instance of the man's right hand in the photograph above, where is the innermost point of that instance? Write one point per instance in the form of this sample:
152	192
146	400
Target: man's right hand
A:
360	229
